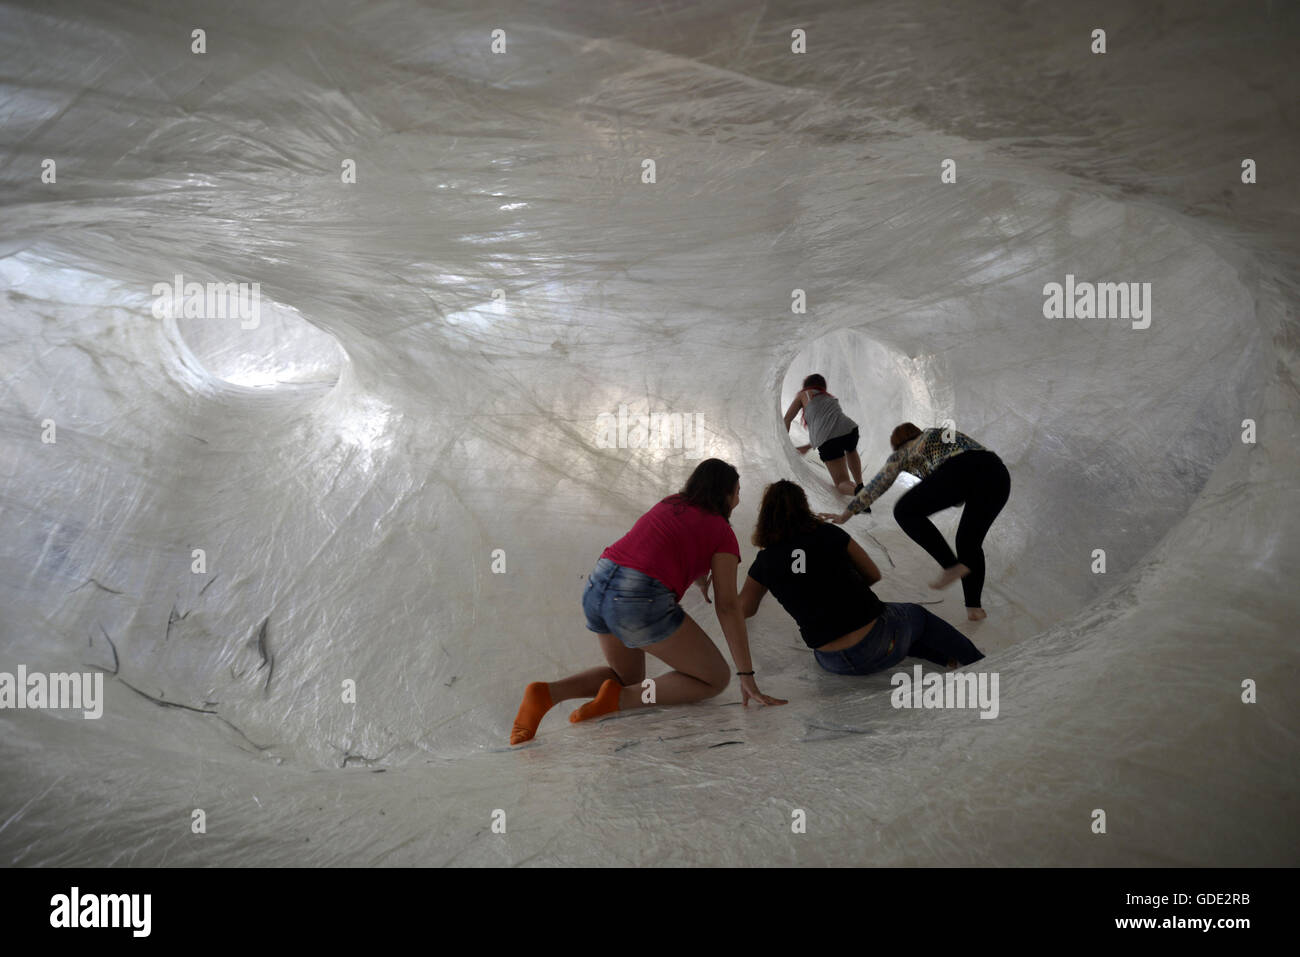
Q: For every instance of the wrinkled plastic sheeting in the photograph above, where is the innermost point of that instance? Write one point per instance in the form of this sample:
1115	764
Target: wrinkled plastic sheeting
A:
443	341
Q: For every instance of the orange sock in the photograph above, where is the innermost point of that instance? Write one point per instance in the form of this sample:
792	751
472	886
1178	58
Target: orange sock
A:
537	701
606	700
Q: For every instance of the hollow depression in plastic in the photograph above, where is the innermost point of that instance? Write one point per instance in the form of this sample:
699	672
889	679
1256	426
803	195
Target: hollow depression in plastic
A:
338	539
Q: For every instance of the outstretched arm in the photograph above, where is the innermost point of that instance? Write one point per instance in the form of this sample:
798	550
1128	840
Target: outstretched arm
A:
877	487
732	620
800	399
863	563
750	596
795	406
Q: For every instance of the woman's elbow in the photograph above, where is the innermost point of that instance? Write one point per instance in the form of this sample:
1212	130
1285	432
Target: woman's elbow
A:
729	608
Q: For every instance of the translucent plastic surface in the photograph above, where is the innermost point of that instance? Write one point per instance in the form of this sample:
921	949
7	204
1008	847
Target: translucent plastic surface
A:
239	524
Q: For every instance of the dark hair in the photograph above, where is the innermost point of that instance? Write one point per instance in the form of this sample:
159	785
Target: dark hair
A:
902	435
709	487
815	381
783	515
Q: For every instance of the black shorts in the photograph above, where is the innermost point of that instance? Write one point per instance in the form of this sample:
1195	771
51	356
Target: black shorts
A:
838	447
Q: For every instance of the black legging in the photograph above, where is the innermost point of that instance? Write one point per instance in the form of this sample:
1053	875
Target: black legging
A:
981	481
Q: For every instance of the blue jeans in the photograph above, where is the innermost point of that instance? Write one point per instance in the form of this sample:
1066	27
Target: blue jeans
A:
630	605
902	630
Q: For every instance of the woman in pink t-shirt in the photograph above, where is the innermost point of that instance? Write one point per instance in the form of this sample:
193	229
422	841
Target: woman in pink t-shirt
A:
632	604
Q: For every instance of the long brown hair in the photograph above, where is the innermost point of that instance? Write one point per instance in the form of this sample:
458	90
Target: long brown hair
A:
709	488
783	515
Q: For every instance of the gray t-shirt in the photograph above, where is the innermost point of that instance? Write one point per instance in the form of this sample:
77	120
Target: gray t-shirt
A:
825	419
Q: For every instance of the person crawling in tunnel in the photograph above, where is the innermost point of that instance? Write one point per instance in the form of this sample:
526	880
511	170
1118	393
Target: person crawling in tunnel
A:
833	432
823	578
631	602
953	469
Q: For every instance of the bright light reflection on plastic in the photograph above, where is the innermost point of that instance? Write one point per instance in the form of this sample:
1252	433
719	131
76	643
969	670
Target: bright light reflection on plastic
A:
363	424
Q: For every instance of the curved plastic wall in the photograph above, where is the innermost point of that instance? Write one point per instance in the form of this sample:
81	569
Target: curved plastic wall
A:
397	477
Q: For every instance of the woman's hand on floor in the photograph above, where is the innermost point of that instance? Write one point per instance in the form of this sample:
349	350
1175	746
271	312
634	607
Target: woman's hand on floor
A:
839	519
749	689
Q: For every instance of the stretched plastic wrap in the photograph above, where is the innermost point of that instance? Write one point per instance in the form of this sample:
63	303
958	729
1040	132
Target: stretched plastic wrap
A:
327	333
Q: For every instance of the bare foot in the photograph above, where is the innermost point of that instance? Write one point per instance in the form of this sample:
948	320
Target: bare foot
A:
976	614
949	576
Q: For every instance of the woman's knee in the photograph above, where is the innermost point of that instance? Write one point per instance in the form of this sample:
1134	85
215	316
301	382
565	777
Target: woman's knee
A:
715	677
629	676
718	680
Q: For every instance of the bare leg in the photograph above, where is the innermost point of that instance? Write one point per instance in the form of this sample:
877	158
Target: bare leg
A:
840	475
626	666
700	671
855	468
584	684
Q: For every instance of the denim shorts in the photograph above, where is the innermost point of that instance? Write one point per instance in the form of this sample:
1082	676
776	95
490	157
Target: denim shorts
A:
884	646
630	605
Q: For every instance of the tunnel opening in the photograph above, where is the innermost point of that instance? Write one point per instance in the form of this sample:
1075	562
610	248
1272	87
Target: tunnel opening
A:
258	345
878	386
